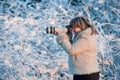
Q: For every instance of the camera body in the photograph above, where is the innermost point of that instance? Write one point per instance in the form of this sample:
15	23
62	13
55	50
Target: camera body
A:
52	30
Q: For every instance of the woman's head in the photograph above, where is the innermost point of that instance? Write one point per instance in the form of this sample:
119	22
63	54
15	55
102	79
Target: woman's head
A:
82	23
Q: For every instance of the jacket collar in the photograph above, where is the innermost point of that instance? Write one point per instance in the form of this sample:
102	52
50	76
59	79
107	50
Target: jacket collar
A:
81	33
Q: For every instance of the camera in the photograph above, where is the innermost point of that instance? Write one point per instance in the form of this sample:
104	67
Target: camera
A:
52	30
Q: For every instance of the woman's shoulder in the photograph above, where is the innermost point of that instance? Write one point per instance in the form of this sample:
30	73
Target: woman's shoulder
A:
87	33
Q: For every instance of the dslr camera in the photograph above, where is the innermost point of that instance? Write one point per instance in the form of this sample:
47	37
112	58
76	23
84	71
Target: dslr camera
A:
52	30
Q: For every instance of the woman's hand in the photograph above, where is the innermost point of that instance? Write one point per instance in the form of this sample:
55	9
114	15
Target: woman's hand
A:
68	33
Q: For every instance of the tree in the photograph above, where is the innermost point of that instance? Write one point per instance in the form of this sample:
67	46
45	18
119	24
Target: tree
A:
74	2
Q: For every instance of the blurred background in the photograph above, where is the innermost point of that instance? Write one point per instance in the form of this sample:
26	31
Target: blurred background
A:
28	53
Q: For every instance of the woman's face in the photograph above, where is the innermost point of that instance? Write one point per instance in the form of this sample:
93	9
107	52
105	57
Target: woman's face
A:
76	29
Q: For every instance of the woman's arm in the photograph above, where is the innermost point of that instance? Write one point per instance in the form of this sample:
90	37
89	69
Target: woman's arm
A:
75	48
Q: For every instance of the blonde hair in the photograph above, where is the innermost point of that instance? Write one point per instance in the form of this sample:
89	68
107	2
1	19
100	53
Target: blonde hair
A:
83	24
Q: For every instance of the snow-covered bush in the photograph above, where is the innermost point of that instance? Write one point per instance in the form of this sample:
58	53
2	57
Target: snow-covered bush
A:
28	53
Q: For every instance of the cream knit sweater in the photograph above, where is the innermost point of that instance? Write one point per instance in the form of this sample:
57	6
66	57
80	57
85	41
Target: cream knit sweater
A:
82	52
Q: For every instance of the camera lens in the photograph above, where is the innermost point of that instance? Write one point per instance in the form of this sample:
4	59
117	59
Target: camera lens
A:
50	30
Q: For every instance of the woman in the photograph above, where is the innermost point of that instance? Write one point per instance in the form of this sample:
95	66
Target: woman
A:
82	49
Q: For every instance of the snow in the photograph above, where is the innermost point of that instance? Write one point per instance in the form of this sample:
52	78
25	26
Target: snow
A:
27	52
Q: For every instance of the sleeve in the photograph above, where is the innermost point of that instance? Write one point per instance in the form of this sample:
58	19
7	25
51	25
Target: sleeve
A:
75	48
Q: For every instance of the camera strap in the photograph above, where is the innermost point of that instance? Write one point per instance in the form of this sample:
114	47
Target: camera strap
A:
72	36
